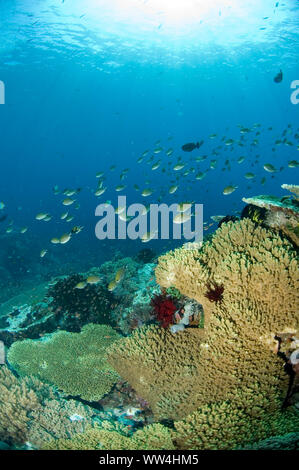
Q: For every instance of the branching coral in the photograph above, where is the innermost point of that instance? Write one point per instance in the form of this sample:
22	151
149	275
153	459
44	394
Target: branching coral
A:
233	359
73	362
165	368
33	412
152	437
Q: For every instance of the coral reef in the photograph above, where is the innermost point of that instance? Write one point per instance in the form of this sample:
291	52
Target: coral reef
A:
133	294
146	256
80	306
278	213
63	307
34	413
289	441
233	361
152	437
123	403
226	425
29	321
164	307
74	362
165	370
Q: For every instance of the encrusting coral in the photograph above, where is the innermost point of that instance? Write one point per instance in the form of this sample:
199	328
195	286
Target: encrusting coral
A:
74	362
33	412
233	361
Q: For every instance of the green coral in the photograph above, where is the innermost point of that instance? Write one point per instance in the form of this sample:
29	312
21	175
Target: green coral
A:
74	362
152	437
173	292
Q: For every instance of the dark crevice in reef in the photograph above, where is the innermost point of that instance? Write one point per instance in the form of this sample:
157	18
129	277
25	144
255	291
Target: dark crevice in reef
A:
289	370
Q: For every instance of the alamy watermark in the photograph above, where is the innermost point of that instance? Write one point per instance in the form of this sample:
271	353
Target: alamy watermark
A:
155	222
2	92
295	94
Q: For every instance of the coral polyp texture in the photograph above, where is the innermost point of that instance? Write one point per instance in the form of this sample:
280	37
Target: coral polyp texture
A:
34	412
152	437
230	368
74	362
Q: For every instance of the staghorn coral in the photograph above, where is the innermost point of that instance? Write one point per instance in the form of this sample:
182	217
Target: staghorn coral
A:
234	358
73	362
34	412
152	437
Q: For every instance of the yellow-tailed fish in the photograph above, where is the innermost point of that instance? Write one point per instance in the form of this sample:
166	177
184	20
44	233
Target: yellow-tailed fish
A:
68	201
65	238
229	189
173	189
270	168
120	187
120	275
112	285
93	279
100	191
80	285
148	237
41	215
181	218
147	192
178	166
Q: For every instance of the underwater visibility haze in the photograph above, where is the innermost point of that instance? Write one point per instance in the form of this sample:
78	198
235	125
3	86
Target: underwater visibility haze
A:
152	341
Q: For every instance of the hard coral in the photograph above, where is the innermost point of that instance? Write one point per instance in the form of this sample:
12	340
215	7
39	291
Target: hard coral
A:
31	411
74	362
231	363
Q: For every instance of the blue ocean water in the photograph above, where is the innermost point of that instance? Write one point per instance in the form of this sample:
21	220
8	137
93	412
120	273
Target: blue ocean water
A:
117	86
93	84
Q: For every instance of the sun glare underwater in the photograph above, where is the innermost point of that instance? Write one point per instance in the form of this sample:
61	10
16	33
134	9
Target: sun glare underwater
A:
149	225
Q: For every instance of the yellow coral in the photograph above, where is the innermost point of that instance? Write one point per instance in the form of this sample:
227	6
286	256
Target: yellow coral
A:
35	412
153	437
153	359
233	357
224	425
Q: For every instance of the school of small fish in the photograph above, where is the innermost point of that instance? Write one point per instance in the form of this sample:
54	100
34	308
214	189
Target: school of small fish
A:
182	170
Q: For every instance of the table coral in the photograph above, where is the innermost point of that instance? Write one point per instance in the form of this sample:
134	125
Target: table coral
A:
74	362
